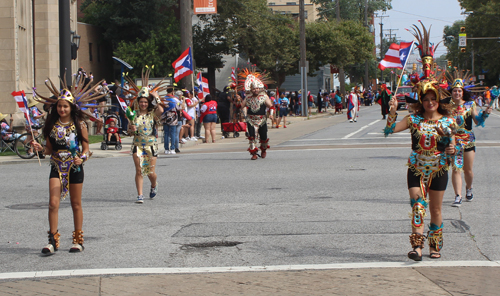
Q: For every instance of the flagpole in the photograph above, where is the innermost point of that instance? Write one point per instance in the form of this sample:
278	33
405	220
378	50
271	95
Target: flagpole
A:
404	66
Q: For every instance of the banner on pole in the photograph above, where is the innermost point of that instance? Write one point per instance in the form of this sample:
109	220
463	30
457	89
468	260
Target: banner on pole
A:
205	6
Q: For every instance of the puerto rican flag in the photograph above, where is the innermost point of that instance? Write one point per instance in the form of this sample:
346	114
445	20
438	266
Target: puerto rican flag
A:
183	65
233	74
203	84
22	103
122	103
396	56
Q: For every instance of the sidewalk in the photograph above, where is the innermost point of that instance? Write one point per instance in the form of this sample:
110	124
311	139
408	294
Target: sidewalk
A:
190	146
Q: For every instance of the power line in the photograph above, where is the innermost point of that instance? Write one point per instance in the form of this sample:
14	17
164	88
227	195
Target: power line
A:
422	16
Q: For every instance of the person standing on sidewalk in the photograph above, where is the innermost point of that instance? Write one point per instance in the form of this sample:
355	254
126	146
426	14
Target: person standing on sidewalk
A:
66	138
209	117
383	100
283	102
431	126
353	107
257	101
169	120
464	111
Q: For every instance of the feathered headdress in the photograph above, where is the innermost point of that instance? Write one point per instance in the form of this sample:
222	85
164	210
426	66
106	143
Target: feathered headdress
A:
250	78
459	78
78	93
428	81
144	91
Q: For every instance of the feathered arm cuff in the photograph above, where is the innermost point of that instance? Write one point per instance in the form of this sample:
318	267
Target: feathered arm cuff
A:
391	124
481	118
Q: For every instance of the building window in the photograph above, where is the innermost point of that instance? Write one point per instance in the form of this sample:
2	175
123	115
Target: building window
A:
291	3
272	3
90	52
98	52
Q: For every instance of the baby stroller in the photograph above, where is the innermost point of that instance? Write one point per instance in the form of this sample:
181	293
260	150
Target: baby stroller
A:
114	140
235	128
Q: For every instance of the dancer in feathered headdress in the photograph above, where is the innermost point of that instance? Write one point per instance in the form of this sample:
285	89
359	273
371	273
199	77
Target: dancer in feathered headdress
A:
465	111
67	144
257	101
143	116
432	128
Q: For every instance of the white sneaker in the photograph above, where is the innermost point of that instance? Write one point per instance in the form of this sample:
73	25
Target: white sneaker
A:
172	151
183	141
202	137
140	199
167	151
194	139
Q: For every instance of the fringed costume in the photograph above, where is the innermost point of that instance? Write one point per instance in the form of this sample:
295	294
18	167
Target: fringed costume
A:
256	113
65	143
428	164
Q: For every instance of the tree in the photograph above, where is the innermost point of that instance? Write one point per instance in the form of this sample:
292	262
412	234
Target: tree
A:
127	20
482	22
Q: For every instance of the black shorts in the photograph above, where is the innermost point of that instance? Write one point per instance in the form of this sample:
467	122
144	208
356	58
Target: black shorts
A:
155	154
437	183
74	176
473	148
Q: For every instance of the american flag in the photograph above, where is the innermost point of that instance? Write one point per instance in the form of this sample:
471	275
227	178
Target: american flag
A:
233	74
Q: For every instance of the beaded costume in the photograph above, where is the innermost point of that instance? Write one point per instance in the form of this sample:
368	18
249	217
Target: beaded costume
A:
145	143
256	114
63	153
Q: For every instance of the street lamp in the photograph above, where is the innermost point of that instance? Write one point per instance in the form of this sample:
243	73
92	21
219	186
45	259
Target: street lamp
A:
75	44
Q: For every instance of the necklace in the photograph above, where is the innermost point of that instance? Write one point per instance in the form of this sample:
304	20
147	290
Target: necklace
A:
64	123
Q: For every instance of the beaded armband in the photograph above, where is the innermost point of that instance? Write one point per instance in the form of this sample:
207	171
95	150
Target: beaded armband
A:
84	157
391	124
481	118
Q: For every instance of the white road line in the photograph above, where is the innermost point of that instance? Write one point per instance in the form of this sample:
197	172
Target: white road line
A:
362	128
170	270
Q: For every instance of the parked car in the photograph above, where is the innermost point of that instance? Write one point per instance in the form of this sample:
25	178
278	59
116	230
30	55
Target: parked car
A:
400	96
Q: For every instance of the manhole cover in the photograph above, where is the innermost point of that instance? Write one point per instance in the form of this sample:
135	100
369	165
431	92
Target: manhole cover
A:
210	245
35	206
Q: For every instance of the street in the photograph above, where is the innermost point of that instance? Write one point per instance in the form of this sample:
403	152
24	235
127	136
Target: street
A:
335	194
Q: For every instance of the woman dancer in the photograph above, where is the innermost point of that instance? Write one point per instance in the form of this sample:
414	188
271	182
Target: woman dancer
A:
431	126
65	131
465	112
146	111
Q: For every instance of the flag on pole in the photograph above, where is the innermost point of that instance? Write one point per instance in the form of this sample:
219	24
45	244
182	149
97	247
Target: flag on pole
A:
183	66
122	103
233	74
396	56
22	103
203	84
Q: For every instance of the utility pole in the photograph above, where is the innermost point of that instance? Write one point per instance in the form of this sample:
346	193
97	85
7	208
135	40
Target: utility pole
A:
186	35
64	42
303	63
341	67
390	33
367	82
381	43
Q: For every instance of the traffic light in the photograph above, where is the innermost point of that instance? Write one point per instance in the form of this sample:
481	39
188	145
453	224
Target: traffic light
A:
462	29
449	64
462	49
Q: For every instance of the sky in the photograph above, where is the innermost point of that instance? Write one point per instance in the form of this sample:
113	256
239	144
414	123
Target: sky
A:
405	13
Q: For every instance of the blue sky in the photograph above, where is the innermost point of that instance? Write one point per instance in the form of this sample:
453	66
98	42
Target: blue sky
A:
404	13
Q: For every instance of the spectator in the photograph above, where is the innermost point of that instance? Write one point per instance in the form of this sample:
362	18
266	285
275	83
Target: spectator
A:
283	103
223	106
169	119
209	117
7	132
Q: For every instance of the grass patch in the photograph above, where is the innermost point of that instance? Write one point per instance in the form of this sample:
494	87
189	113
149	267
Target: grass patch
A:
8	153
95	139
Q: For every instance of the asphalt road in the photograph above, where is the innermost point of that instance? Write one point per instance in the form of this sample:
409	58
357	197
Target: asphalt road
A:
334	195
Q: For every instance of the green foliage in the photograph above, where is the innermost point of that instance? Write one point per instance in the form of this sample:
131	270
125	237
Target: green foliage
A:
339	43
483	22
127	20
160	50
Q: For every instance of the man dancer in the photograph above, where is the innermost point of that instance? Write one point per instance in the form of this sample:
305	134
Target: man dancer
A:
256	100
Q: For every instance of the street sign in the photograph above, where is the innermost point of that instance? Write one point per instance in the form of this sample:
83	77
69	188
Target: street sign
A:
462	40
481	77
473	78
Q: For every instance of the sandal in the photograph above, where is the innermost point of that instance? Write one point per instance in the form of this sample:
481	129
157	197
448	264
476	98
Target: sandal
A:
413	255
435	255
